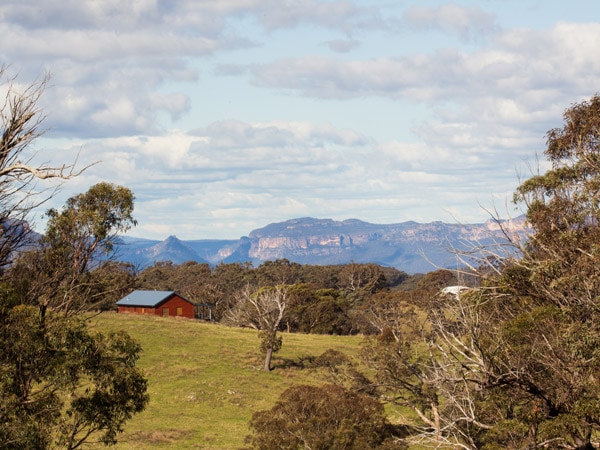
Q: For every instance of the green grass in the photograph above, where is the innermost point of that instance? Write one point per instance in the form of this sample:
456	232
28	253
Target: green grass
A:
206	380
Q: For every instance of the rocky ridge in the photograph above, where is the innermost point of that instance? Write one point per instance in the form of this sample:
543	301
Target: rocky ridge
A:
409	246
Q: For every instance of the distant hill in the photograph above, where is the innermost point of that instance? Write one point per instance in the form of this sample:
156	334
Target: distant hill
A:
409	246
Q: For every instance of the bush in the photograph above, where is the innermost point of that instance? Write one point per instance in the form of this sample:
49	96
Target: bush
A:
327	417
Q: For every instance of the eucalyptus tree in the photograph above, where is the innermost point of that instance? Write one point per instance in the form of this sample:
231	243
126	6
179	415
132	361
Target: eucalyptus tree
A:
522	352
64	272
61	384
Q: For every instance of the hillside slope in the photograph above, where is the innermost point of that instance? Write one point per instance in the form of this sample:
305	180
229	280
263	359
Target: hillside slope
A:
206	380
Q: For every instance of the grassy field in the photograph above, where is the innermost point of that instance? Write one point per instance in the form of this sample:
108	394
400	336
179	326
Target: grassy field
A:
205	380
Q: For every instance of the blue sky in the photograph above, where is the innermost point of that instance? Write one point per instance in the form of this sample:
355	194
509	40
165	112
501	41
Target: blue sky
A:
224	116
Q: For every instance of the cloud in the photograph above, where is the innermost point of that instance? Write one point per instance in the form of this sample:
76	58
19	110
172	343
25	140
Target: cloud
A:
275	134
260	172
340	14
502	96
110	60
342	45
334	108
518	63
103	100
468	23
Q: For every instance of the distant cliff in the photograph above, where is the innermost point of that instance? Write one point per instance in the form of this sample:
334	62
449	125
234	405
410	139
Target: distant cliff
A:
409	246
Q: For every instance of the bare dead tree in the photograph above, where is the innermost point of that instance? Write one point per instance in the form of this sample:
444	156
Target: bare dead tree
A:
262	310
21	123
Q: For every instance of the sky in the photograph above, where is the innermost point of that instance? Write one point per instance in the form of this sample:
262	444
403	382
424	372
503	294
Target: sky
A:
223	116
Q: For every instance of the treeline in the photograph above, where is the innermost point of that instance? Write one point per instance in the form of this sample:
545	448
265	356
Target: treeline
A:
329	299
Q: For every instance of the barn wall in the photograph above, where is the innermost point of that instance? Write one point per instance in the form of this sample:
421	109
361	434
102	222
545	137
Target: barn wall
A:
172	304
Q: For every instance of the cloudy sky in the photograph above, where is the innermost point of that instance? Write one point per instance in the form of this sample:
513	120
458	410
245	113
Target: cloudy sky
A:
223	116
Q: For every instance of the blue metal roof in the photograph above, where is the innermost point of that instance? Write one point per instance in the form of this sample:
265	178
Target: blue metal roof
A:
145	298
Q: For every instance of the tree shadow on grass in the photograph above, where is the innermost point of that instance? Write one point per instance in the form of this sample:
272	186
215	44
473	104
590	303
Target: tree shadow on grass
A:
302	362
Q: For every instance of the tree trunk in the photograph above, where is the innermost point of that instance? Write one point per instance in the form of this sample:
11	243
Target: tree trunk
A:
269	354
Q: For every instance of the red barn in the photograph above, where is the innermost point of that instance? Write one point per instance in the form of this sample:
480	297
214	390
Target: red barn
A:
158	303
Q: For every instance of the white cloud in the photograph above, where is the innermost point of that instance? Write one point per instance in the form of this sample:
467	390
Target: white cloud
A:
109	59
266	171
519	61
335	14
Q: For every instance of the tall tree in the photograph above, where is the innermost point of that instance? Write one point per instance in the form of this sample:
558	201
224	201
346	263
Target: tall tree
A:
560	275
61	385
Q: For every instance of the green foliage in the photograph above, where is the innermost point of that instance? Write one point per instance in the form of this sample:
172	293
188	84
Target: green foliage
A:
88	223
557	339
61	385
321	299
437	280
110	281
392	311
326	417
269	341
359	281
405	369
314	310
72	271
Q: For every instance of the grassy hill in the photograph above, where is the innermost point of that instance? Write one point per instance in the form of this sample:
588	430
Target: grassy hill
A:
205	380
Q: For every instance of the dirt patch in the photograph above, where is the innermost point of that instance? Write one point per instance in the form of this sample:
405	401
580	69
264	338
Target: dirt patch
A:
159	436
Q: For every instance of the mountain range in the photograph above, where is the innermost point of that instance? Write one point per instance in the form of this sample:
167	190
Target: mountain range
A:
409	246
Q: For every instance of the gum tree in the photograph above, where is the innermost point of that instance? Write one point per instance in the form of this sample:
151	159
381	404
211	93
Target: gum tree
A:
61	384
521	354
